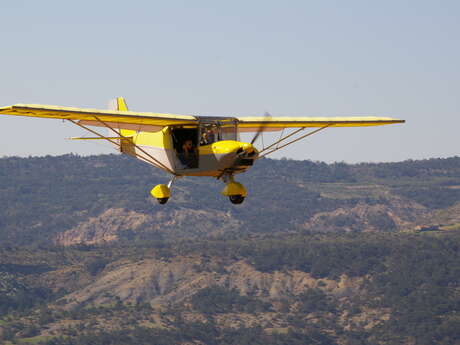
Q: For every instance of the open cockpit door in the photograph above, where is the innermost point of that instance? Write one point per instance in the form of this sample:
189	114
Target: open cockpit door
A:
185	144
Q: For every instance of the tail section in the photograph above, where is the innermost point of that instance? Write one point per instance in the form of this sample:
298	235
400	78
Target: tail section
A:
139	144
119	104
127	145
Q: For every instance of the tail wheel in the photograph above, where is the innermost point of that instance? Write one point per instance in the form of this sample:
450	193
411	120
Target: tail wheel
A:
236	199
162	201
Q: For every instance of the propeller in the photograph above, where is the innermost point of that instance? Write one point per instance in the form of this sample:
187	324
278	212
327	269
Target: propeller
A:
260	129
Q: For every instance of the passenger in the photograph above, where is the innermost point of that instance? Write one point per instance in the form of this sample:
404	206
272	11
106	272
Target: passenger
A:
211	136
189	156
204	139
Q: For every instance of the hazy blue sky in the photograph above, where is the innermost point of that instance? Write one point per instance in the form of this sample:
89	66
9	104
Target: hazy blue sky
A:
293	58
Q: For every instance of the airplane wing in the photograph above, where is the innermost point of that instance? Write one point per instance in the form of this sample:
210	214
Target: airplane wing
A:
139	121
151	122
268	123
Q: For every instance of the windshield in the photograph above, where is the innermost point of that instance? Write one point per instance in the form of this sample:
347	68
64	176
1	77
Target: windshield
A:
228	132
217	131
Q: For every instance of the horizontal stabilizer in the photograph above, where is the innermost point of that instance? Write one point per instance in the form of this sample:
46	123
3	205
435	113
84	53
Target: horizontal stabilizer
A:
97	138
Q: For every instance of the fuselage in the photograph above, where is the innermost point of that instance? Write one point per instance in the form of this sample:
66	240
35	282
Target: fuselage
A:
213	158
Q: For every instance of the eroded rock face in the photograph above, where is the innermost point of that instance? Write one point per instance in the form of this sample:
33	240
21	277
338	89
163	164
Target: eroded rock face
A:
162	283
113	224
448	216
104	228
396	214
116	223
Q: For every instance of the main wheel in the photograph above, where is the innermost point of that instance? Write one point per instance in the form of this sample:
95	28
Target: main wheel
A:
162	200
161	192
236	199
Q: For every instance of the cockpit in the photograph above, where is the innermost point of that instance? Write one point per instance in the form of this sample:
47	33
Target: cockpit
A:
208	134
188	139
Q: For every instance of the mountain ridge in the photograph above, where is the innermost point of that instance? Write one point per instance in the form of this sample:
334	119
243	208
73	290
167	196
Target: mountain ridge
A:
318	253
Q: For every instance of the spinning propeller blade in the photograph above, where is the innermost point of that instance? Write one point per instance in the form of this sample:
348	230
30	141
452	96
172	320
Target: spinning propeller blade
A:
260	129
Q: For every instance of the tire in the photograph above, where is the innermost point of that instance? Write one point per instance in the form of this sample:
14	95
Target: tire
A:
236	199
162	201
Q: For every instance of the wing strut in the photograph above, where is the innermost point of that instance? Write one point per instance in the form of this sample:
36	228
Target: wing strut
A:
291	142
158	163
94	132
152	160
282	139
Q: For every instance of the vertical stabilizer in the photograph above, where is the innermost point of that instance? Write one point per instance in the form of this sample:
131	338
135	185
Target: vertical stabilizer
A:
118	103
121	104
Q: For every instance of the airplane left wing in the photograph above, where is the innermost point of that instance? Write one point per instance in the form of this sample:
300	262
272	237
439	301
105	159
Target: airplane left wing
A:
139	121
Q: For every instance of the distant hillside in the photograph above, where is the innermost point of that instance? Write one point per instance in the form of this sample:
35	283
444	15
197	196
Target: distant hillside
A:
356	288
103	198
72	199
318	254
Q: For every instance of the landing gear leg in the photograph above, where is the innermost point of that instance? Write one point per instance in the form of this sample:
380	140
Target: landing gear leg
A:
172	181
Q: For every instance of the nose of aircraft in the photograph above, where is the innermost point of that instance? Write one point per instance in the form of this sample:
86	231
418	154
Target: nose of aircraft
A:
235	155
232	147
247	150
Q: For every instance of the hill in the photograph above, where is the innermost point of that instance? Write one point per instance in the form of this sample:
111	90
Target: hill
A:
71	199
318	254
357	288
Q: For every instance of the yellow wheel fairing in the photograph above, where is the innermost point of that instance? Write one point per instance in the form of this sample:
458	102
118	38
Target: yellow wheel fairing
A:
160	191
234	188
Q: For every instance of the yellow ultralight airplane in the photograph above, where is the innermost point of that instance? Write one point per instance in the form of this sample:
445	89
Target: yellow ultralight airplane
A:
185	145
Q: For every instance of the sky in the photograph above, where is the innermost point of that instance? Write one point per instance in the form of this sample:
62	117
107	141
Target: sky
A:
239	58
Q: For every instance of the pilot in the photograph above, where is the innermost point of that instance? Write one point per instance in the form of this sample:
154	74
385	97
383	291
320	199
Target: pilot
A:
189	156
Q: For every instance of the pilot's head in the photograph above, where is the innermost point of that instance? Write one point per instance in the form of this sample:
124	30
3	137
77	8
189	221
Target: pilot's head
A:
188	144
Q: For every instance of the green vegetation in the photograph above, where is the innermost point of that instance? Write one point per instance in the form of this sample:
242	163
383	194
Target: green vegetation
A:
261	274
216	299
414	277
455	226
47	195
35	340
187	333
